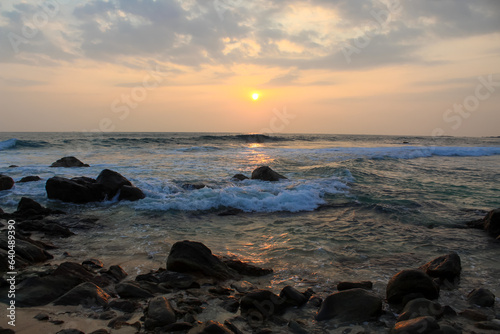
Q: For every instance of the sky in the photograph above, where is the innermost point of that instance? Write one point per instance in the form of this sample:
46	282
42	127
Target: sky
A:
392	67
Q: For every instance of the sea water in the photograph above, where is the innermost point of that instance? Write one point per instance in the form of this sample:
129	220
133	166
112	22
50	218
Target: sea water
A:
353	207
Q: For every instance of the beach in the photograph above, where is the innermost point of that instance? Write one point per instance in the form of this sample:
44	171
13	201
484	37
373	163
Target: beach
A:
352	208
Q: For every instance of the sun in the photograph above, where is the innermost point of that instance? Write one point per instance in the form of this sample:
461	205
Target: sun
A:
255	96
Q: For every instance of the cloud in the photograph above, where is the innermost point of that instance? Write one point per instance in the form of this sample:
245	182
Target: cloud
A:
19	82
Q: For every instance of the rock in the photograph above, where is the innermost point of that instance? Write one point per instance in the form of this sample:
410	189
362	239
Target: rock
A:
230	212
41	317
194	257
231	304
68	162
213	327
446	267
173	280
492	223
100	331
90	264
220	291
420	307
246	268
193	186
70	331
293	297
86	294
28	207
411	282
76	190
116	273
367	285
126	306
130	193
111	182
13	166
243	286
48	227
177	327
37	291
481	297
29	179
265	173
350	305
6	182
108	315
416	326
26	251
488	325
239	177
73	270
445	329
264	302
159	313
296	328
131	290
473	315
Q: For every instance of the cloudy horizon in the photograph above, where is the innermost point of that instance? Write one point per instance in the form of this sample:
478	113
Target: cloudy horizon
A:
345	67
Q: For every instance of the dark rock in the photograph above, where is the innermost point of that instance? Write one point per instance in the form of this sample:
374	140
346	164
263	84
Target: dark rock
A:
108	315
159	313
37	291
446	267
116	273
195	257
232	327
367	285
74	270
315	302
221	291
130	193
240	177
246	268
492	223
488	325
177	327
27	251
193	186
264	302
293	297
416	326
6	182
92	264
68	162
243	286
74	190
100	331
213	327
231	305
296	328
111	182
173	280
473	315
86	294
29	207
350	305
265	173
70	331
131	290
481	297
445	329
29	179
13	166
420	307
126	306
410	281
48	227
41	317
230	212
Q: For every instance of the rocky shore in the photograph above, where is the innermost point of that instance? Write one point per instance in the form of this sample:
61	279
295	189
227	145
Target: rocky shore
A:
197	291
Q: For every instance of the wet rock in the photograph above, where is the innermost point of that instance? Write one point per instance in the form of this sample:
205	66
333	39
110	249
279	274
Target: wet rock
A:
70	331
265	173
68	162
212	327
492	223
74	270
116	273
264	302
473	315
130	193
159	313
446	267
350	305
193	186
488	325
108	315
37	291
481	297
48	227
194	257
91	264
445	329
29	207
221	291
111	182
239	177
86	294
27	252
243	286
6	182
100	331
177	327
367	285
411	282
131	290
173	280
29	179
41	317
416	326
74	190
126	306
420	307
231	304
232	327
13	166
296	328
293	297
246	268
230	212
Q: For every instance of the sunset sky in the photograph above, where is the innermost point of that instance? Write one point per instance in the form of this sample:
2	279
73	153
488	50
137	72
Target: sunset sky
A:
406	67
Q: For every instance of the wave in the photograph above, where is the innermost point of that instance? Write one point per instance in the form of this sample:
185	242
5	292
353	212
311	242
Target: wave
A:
198	149
249	196
16	143
245	138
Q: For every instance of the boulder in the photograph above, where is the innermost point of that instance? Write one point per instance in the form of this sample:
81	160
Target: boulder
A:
492	223
76	190
130	193
131	290
481	297
26	251
111	182
37	291
420	307
353	305
239	177
411	282
68	162
86	294
367	285
6	182
264	302
28	207
116	273
293	297
173	280
159	313
212	327
193	186
416	326
194	257
446	267
246	269
29	179
265	173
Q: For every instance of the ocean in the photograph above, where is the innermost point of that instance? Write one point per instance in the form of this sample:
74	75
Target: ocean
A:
354	207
